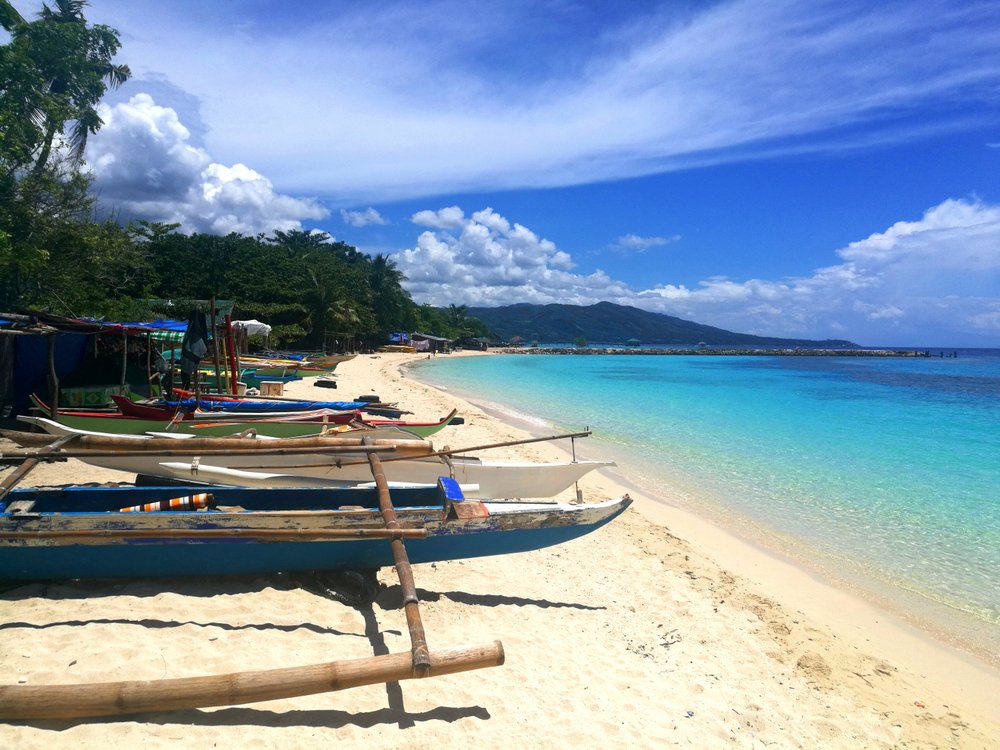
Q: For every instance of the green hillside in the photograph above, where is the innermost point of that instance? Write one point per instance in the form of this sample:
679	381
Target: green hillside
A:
607	323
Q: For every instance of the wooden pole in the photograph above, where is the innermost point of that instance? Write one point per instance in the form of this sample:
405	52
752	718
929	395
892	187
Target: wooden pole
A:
53	378
421	663
506	444
234	360
277	535
43	454
215	350
30	702
30	463
124	377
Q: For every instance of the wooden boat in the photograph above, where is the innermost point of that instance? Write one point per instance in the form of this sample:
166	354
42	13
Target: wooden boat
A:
308	461
159	409
25	702
229	407
85	532
268	424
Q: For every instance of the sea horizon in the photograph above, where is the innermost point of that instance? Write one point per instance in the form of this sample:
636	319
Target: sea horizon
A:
879	474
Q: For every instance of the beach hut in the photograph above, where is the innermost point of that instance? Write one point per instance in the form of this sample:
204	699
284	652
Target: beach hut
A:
424	342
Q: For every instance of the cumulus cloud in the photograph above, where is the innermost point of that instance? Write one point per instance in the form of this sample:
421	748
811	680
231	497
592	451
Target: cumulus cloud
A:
939	272
633	243
363	218
145	167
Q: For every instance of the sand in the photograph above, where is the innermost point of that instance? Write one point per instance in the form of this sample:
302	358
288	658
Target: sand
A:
658	630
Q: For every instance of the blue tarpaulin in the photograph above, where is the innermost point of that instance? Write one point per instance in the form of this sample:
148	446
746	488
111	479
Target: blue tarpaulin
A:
31	364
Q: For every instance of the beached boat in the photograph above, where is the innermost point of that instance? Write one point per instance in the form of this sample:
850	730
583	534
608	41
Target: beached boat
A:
308	461
97	532
158	408
268	424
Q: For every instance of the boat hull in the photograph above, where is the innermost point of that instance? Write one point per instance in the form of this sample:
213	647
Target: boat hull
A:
494	479
41	545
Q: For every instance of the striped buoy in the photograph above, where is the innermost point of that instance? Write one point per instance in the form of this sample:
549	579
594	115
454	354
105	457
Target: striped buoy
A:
187	502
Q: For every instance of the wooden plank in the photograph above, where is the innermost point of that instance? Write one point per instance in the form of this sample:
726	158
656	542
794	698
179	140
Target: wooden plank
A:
277	535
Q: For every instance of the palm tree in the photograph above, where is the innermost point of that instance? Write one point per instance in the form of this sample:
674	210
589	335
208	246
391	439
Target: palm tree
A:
63	68
385	280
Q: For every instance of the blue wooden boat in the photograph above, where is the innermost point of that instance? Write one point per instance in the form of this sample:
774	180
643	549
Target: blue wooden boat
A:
85	532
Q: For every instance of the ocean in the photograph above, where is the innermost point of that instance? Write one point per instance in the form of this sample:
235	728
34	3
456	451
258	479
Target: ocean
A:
881	474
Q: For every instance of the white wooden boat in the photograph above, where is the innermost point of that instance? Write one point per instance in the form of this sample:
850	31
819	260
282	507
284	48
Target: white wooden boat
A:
269	462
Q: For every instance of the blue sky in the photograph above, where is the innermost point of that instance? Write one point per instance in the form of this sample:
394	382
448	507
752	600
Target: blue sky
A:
808	169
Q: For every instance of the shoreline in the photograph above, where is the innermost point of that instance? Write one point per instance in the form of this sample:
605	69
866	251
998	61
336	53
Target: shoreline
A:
820	593
656	630
955	628
718	351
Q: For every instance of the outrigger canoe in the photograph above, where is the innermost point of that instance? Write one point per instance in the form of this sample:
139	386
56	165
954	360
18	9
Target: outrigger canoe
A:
309	461
130	531
269	424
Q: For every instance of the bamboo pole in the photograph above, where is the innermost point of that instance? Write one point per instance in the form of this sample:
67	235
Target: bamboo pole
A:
447	452
28	702
420	656
108	453
506	444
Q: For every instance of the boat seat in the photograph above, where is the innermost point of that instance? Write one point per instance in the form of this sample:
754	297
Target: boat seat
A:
20	506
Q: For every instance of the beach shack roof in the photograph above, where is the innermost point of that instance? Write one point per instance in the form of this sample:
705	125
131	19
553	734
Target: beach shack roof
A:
428	337
34	344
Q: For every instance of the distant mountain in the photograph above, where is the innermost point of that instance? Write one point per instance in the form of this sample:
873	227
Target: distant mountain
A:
607	323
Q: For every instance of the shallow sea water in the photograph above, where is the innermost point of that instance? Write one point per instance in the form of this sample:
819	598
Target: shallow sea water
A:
884	472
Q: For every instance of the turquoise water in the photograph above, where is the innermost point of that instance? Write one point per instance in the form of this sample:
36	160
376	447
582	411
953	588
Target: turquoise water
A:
883	470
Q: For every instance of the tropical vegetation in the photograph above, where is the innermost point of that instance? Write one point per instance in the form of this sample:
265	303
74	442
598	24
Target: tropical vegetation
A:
57	256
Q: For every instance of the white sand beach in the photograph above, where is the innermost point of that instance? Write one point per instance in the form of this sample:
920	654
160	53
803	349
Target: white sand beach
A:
659	630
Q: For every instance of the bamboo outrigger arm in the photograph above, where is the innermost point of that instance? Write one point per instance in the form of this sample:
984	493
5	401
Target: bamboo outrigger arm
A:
28	702
418	640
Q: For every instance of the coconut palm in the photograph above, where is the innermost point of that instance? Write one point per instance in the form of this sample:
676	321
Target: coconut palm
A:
55	71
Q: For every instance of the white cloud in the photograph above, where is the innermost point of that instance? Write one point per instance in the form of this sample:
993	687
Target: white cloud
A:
633	243
353	103
363	218
445	218
938	273
145	167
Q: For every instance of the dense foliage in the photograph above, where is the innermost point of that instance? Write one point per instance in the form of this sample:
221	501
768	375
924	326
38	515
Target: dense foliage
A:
57	257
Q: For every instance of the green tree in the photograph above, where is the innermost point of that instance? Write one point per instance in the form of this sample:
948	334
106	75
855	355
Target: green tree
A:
53	74
391	302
